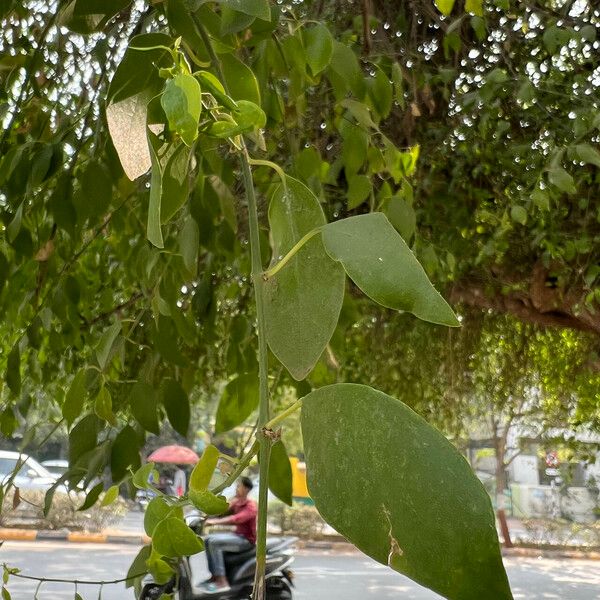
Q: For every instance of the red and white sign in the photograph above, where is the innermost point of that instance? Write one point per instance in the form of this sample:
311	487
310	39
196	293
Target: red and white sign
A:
552	460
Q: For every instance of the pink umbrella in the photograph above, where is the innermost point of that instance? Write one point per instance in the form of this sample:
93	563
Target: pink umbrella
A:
177	455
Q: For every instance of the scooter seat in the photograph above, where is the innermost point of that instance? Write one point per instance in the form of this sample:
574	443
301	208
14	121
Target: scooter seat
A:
237	558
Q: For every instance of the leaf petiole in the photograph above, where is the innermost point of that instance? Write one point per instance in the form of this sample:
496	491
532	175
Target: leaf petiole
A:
267	163
295	249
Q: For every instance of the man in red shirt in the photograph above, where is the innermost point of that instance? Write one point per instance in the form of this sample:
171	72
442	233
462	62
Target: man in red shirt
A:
242	514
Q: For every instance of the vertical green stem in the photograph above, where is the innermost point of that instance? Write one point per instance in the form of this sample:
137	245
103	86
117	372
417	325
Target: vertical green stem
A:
264	454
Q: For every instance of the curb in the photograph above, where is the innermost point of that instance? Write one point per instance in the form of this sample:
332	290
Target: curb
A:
80	537
337	544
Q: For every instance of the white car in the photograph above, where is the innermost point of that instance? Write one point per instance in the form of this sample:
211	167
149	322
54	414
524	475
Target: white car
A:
31	475
57	466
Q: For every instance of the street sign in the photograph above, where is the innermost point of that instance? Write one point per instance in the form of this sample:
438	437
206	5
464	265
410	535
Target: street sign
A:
552	472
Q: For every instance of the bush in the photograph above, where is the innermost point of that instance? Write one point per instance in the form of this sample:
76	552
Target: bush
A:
299	519
63	513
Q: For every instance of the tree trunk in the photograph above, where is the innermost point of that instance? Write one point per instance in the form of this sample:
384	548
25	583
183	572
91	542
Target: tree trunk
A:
501	484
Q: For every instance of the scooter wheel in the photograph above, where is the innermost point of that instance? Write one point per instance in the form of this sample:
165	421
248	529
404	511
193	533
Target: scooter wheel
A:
278	589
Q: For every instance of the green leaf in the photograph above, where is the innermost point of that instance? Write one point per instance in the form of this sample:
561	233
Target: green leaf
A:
13	370
138	565
204	469
6	594
141	478
99	7
143	401
346	68
153	230
240	79
103	406
423	513
156	511
112	493
359	189
303	300
354	149
73	404
182	101
540	198
92	497
562	180
208	502
280	473
96	189
378	260
238	401
381	92
587	154
177	405
189	242
106	342
233	21
518	214
125	453
137	72
14	227
175	182
319	47
474	7
402	216
173	538
249	115
256	8
83	437
445	6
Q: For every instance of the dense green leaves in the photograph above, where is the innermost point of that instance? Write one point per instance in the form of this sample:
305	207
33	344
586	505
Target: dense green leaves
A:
378	260
303	300
256	8
396	488
13	370
106	343
125	453
238	401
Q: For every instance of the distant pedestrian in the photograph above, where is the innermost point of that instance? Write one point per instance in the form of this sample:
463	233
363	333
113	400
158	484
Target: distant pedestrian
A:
179	482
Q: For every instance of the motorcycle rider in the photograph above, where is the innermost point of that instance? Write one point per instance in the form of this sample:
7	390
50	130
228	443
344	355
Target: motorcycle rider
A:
242	514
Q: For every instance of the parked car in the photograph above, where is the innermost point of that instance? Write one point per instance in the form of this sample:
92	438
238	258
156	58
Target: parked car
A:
56	466
31	475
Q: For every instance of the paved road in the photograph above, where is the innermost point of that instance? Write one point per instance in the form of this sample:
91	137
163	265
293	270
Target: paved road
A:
320	575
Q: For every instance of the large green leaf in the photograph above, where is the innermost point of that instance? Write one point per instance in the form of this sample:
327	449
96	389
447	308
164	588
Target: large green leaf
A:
83	437
173	538
319	47
175	182
399	490
182	102
157	510
153	230
280	473
106	342
177	405
303	300
238	401
378	260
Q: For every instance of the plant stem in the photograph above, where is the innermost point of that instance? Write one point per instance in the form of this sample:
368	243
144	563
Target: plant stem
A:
238	470
257	278
267	163
264	454
284	415
278	266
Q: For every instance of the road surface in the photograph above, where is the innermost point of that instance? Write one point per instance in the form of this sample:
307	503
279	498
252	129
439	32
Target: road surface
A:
320	575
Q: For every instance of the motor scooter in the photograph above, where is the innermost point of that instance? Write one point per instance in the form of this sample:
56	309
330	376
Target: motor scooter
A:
239	567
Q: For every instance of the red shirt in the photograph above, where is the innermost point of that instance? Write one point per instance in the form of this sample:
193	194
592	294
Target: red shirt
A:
243	516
